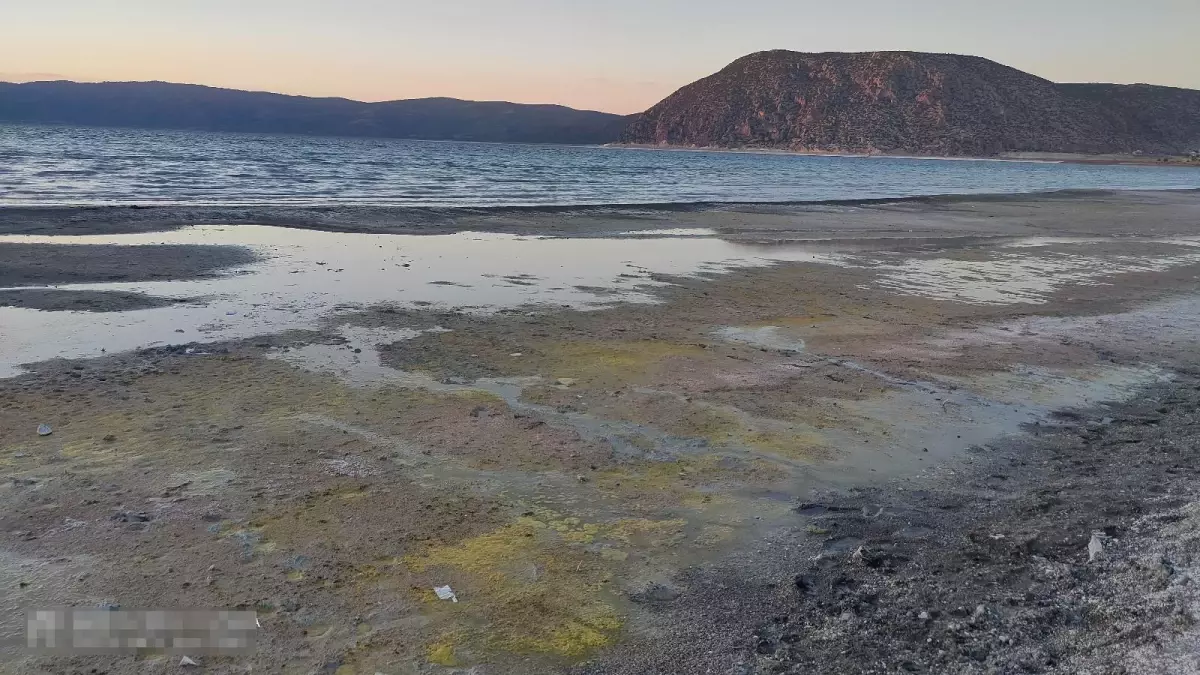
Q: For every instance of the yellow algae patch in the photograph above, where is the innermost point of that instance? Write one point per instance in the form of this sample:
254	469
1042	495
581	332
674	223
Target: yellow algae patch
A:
788	444
721	426
537	585
476	396
441	653
613	363
647	533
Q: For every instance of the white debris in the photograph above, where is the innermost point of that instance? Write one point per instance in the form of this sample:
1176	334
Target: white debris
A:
857	556
188	661
1095	547
44	430
445	593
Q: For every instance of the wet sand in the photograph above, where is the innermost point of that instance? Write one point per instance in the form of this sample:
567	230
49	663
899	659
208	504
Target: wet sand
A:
775	466
1064	212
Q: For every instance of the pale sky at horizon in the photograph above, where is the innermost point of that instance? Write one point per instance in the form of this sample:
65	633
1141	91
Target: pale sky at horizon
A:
617	55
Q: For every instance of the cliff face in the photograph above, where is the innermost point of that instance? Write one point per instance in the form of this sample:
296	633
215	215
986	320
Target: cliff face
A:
162	105
910	102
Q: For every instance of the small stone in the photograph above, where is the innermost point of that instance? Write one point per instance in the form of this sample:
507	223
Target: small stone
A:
1095	547
923	616
44	430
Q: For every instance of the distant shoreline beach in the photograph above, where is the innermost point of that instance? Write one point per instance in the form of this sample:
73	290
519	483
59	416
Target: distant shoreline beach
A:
1015	156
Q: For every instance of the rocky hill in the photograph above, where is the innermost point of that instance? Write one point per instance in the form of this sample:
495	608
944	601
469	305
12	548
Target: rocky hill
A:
911	102
161	105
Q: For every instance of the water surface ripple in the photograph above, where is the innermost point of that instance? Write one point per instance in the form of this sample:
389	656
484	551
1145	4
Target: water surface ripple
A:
47	165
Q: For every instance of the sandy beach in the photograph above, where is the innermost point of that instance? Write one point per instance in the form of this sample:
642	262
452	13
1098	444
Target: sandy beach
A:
823	438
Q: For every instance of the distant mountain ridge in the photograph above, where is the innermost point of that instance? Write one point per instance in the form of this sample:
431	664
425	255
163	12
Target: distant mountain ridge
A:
867	102
163	105
914	102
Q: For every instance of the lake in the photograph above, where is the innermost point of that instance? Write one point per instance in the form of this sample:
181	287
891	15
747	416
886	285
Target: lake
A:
44	165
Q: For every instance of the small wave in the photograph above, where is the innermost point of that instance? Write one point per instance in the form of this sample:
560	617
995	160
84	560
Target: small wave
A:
65	173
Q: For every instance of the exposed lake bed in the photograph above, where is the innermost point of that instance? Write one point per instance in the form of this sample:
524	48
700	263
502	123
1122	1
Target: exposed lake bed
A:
597	435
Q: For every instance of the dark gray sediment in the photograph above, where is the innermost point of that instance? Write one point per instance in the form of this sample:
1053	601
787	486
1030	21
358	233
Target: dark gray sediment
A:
58	300
24	264
1073	549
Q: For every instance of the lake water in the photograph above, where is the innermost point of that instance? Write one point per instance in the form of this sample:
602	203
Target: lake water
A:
70	165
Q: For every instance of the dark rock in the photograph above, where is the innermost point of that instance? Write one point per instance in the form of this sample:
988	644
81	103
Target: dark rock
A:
131	517
935	104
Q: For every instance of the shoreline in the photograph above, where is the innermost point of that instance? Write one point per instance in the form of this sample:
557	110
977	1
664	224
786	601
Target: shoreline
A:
534	219
1010	156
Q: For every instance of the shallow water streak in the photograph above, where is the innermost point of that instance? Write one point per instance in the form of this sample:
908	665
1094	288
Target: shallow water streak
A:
305	276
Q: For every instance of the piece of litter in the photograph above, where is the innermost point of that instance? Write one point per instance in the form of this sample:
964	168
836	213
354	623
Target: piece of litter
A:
230	313
445	593
1095	547
997	537
188	661
44	430
515	354
857	556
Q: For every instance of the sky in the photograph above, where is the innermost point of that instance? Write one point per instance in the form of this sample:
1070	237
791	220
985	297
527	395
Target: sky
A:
614	55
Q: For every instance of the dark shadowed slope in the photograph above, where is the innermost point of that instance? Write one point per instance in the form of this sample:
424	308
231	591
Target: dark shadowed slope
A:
161	105
911	102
